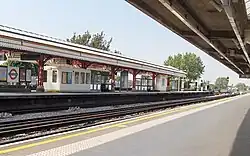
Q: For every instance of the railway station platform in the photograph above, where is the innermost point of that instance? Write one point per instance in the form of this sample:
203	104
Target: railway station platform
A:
213	128
30	94
20	102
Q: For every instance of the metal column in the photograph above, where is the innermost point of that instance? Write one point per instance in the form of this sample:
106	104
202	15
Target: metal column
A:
40	87
182	84
113	78
134	73
179	84
168	83
153	80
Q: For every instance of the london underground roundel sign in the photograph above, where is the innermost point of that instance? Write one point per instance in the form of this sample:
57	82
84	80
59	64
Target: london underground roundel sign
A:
13	74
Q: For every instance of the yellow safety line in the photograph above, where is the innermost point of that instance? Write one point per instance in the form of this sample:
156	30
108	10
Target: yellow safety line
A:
121	124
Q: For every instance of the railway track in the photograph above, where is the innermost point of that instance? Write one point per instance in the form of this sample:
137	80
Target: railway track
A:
12	128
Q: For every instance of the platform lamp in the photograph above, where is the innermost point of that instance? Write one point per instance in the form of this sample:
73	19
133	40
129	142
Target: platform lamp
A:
227	82
184	80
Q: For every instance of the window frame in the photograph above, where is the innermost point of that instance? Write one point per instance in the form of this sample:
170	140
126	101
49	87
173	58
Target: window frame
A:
67	77
45	76
83	79
54	80
78	77
88	78
163	81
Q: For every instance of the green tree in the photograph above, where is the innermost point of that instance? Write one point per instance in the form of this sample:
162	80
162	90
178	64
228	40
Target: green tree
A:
221	83
27	65
241	86
211	86
188	62
96	41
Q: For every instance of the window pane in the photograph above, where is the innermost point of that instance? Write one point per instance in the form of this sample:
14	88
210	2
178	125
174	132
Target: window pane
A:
54	76
64	77
82	77
76	77
69	77
88	78
163	82
45	76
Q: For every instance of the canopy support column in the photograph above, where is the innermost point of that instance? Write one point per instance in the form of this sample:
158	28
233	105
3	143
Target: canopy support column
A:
134	73
40	87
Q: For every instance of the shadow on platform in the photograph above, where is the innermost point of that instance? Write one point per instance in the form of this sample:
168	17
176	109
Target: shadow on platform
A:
241	146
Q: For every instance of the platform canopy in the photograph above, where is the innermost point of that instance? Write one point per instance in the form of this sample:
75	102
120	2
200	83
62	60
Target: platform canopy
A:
218	27
27	43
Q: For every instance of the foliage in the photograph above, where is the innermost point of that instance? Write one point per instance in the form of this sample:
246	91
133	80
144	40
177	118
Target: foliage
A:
221	83
188	62
96	41
211	86
241	86
118	78
117	52
27	65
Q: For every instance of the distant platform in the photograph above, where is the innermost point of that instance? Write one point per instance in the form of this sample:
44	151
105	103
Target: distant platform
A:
3	94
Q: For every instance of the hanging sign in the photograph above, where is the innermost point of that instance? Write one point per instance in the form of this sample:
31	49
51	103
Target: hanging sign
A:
13	74
22	73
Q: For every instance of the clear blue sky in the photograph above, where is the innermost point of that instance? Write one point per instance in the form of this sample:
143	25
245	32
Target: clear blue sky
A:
134	34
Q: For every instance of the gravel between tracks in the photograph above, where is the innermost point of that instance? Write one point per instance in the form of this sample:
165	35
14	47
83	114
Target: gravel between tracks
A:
71	110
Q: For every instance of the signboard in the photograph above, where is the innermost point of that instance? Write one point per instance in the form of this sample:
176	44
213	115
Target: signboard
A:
3	74
246	76
30	57
22	74
28	75
13	74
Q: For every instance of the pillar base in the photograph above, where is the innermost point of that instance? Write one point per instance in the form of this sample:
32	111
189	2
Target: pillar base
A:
39	89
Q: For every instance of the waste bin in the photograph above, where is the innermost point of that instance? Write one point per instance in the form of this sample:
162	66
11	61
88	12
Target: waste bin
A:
104	87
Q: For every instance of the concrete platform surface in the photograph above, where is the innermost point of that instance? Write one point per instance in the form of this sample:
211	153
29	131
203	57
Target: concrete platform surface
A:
219	131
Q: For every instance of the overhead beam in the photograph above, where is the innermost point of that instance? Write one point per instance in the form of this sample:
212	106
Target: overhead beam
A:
227	5
227	35
187	19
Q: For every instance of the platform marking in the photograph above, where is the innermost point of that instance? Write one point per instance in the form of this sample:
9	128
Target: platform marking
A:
121	126
118	125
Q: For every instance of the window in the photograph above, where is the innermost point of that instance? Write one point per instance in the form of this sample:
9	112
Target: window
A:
88	78
69	80
66	77
54	76
163	82
45	76
76	77
82	81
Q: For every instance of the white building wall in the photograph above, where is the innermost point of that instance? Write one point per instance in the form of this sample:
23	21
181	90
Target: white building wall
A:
49	85
59	86
161	82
